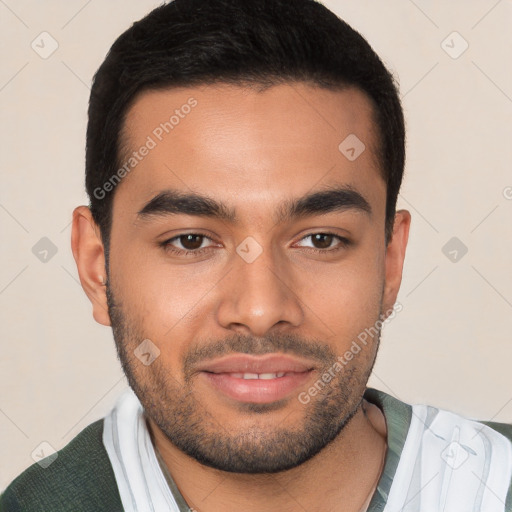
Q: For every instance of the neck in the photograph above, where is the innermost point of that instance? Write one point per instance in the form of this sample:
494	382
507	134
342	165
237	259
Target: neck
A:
343	475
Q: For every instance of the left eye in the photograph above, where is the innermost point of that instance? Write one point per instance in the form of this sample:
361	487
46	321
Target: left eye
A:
324	241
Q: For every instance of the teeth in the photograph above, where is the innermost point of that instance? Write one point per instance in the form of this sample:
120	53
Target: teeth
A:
252	376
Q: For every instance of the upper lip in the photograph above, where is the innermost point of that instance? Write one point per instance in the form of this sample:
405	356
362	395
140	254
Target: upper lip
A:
269	363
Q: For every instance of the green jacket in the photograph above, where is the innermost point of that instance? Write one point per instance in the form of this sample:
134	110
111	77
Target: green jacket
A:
79	480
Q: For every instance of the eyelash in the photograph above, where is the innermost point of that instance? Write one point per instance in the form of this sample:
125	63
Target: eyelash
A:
166	244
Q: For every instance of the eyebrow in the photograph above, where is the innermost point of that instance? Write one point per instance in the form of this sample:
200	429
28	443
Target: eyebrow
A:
332	199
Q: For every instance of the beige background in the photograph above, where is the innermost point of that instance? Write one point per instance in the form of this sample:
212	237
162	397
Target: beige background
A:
451	344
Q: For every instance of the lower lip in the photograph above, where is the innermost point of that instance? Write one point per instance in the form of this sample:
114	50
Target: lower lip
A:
257	390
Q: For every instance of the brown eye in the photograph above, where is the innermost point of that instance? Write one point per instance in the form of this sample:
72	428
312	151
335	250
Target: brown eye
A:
191	242
187	244
326	243
322	240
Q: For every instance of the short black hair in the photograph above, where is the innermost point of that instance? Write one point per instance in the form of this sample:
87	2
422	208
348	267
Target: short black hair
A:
241	42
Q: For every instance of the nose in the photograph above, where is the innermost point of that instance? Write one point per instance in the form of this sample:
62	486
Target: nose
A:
258	295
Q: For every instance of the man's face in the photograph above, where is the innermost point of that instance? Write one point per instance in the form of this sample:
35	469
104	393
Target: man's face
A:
259	295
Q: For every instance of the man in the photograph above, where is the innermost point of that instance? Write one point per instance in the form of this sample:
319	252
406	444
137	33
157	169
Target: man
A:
243	165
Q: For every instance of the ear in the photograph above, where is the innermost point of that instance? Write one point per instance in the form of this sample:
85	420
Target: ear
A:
89	255
395	255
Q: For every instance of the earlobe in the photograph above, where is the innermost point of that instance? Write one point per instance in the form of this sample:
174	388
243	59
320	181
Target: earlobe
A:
89	255
395	255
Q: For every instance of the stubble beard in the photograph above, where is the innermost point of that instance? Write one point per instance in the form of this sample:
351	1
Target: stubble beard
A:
193	429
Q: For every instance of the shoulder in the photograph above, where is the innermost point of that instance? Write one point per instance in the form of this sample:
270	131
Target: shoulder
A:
443	458
79	478
469	461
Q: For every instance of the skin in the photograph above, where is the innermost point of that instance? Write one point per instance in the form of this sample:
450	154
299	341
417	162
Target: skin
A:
251	150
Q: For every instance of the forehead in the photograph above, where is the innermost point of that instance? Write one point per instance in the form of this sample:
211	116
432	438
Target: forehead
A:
234	141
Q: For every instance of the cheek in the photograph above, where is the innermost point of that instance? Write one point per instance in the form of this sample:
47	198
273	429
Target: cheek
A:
162	303
158	292
346	299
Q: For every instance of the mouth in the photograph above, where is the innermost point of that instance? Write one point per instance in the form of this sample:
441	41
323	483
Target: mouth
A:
256	379
252	376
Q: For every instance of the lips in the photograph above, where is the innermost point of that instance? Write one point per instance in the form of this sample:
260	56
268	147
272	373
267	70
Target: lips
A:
269	363
256	379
